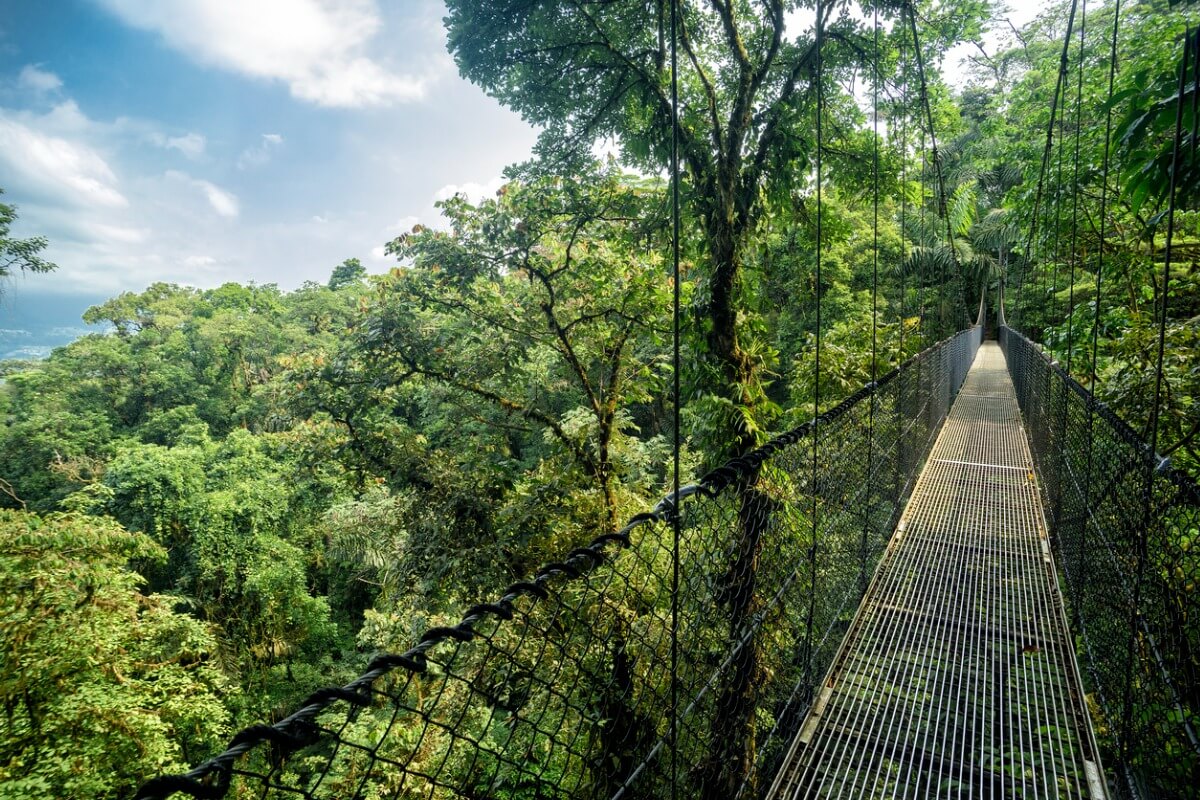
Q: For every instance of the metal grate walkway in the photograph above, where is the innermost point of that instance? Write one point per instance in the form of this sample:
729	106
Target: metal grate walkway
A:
957	677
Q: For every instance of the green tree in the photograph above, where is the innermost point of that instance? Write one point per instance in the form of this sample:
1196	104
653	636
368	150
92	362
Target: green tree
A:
349	273
499	400
589	69
101	685
236	529
19	254
546	304
178	424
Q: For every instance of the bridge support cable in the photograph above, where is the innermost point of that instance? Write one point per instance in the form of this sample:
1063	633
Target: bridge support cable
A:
943	209
901	266
815	435
1047	154
1075	182
863	566
1050	288
677	398
1098	302
1055	488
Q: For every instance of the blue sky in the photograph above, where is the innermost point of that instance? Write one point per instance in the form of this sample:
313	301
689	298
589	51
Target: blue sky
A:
201	141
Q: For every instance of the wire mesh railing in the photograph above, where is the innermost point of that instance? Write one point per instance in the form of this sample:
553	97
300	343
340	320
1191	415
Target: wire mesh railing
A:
1126	529
562	687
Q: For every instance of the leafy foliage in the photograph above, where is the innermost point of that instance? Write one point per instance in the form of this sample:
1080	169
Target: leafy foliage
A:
20	254
101	684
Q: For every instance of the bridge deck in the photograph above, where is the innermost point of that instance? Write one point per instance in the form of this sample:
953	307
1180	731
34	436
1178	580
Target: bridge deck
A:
957	677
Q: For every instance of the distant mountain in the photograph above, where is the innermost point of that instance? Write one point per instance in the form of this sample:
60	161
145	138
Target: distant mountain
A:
32	324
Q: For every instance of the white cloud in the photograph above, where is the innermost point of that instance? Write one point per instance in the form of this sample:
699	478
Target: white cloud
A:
260	153
190	144
38	80
314	46
65	119
223	202
474	192
51	166
357	83
403	225
116	233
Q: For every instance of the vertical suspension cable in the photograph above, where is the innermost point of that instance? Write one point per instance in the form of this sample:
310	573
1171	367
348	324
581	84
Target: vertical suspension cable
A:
1047	152
920	226
812	549
1172	192
1112	77
1058	428
921	232
937	166
676	362
904	262
903	187
1075	194
875	215
874	295
1039	270
1099	297
1058	192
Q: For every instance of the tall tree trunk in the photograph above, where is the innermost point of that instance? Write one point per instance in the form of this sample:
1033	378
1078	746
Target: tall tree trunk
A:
725	238
623	735
730	757
604	471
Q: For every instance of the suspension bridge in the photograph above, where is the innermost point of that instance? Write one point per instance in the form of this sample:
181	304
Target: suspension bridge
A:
969	578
